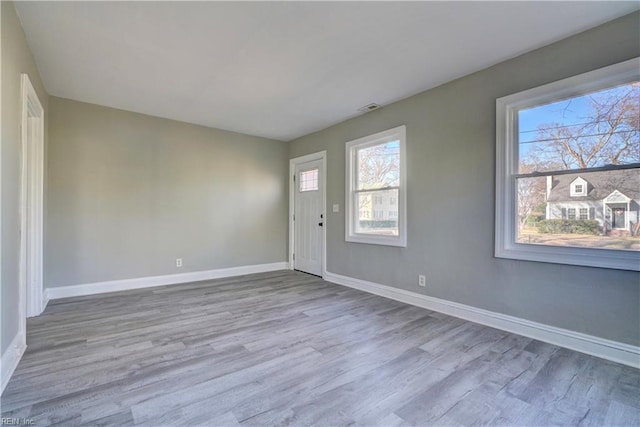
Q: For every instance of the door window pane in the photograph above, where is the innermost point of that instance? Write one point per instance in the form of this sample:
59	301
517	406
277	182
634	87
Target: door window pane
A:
309	180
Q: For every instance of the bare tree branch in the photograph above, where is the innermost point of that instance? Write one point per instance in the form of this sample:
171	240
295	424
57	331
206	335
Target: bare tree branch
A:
608	134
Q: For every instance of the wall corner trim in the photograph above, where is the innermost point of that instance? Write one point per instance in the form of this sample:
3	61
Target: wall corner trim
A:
606	349
10	359
152	281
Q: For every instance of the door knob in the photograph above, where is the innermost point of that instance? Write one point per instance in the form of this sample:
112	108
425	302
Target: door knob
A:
320	224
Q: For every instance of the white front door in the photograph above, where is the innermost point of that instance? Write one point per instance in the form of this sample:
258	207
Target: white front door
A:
308	217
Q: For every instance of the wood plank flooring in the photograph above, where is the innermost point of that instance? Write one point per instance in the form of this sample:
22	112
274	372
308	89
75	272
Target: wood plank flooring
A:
286	348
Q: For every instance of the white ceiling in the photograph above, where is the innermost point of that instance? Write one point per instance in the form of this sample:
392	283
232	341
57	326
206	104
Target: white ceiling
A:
281	69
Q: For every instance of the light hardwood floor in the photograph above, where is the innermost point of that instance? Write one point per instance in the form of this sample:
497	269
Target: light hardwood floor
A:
286	348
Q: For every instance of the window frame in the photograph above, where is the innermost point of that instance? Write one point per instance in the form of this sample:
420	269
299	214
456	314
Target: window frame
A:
586	215
573	191
507	108
351	211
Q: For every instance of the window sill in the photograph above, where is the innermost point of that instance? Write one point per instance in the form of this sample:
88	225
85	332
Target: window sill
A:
600	258
377	240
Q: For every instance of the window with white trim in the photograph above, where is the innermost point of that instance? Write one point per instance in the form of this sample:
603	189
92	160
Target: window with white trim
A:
578	186
576	137
375	171
584	213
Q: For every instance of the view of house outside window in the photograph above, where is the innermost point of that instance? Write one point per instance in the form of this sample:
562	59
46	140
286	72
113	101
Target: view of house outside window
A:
579	171
378	176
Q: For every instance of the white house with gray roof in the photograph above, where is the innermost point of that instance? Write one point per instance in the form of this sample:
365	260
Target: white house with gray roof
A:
610	197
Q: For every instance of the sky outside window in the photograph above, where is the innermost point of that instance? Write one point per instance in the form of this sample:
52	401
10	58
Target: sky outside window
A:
585	121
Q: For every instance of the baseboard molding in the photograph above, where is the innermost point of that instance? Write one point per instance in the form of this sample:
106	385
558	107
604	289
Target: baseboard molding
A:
148	282
10	359
589	344
45	301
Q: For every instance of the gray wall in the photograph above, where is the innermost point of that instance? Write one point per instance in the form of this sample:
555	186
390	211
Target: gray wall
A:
451	181
16	59
129	193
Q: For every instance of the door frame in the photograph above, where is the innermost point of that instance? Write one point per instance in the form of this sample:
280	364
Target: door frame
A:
322	157
624	218
32	301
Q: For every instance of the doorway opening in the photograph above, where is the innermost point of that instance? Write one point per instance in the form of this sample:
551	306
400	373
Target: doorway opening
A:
31	204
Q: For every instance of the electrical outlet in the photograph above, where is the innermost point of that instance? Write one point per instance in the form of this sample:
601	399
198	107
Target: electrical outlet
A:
178	262
422	280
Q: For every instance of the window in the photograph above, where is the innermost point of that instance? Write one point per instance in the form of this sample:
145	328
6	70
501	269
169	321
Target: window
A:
375	171
575	137
578	186
584	213
309	180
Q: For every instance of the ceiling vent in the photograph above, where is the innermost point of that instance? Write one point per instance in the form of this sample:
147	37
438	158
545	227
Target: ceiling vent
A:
369	107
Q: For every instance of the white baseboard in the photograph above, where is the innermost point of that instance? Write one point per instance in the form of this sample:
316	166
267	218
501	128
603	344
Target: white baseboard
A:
45	300
589	344
10	359
148	282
